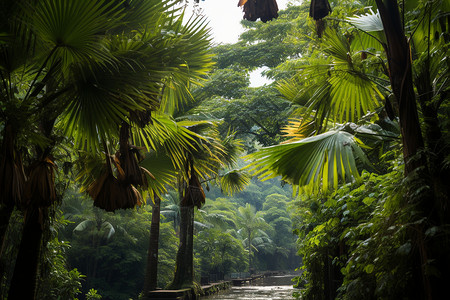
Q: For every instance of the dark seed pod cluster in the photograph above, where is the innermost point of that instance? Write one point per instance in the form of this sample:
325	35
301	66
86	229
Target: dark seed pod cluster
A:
265	10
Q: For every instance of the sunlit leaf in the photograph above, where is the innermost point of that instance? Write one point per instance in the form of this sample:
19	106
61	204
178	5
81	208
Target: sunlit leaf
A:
314	164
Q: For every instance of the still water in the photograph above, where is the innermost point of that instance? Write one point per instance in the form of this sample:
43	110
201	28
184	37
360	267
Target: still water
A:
270	288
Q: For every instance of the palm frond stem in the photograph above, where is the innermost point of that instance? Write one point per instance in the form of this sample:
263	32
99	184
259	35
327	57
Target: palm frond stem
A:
51	98
39	72
380	135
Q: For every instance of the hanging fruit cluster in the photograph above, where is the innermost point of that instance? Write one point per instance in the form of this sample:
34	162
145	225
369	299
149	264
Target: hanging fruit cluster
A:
194	194
118	191
265	10
318	10
40	186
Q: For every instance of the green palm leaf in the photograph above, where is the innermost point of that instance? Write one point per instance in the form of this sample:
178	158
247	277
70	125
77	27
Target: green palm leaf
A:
372	34
188	56
147	14
335	88
314	164
163	171
74	28
352	95
234	181
166	135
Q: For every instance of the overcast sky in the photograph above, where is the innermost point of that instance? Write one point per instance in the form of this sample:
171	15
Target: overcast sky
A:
224	18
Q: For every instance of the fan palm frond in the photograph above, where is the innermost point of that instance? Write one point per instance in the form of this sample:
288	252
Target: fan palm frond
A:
232	148
234	181
352	95
187	55
312	164
165	134
298	129
369	22
161	167
340	91
72	30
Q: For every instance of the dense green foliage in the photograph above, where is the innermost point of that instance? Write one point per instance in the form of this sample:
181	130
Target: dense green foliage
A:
110	249
355	243
371	222
107	251
371	212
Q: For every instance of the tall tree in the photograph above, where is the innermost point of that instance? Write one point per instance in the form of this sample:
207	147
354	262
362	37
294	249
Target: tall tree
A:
65	68
250	223
326	164
204	160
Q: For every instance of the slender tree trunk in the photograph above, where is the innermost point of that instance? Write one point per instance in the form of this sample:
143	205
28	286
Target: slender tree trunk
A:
23	283
5	215
327	286
426	253
151	273
249	253
400	73
184	269
12	179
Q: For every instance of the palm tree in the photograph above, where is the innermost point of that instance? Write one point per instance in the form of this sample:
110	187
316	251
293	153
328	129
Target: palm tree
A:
321	156
162	168
252	225
204	160
171	209
322	91
100	230
317	157
83	68
36	58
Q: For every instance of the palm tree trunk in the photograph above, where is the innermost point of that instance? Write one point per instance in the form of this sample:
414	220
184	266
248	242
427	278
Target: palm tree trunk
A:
5	215
184	268
400	71
249	252
12	178
151	273
23	283
429	204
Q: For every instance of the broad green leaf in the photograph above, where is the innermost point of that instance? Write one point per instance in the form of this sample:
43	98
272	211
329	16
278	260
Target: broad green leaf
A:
314	164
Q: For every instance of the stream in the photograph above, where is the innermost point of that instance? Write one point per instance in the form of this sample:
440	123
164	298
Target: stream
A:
269	288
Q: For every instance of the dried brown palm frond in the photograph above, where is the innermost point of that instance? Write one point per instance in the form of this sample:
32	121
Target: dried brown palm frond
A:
104	191
134	197
194	193
265	10
146	173
110	193
318	10
128	159
94	188
130	164
120	172
40	188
